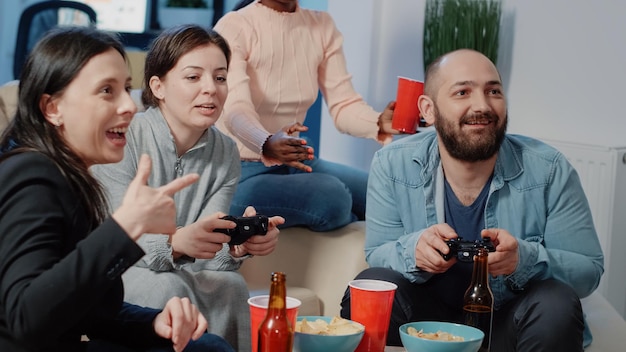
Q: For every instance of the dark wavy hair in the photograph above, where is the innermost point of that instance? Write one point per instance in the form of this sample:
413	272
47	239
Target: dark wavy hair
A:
52	65
168	48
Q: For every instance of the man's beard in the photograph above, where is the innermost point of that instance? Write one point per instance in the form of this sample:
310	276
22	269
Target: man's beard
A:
466	146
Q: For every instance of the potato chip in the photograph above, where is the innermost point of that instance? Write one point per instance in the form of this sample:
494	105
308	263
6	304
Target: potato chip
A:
439	335
337	326
316	327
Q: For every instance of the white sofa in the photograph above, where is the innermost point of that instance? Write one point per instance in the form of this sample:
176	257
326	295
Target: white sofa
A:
320	265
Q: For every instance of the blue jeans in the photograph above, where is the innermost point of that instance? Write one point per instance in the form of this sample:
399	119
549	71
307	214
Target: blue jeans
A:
331	196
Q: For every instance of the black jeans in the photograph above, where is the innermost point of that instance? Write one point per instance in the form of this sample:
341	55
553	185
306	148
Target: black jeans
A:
208	342
546	316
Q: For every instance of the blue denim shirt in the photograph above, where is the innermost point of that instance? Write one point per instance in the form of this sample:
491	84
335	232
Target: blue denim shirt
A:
535	194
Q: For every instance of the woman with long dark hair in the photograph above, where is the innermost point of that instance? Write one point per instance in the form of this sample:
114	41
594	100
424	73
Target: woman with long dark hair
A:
61	254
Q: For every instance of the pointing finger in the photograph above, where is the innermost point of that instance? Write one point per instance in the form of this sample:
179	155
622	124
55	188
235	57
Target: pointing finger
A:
171	188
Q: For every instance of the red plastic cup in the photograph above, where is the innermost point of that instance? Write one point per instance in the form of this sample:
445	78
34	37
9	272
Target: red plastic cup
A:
370	305
258	310
406	115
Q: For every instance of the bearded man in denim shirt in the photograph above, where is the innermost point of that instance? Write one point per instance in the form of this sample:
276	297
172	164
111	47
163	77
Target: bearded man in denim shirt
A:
470	179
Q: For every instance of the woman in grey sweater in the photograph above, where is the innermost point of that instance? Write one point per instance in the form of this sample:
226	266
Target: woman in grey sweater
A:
184	89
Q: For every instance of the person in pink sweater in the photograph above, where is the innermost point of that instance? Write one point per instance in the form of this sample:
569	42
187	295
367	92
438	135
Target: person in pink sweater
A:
282	56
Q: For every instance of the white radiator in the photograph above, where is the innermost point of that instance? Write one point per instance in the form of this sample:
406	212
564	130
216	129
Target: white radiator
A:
602	170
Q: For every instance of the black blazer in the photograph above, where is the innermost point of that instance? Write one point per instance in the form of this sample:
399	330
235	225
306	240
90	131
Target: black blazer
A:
59	279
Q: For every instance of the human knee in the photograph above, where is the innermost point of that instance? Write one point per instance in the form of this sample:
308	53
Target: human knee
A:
374	273
322	216
554	304
555	296
384	274
330	193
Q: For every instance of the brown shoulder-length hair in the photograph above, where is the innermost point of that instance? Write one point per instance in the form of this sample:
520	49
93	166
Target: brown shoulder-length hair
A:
168	48
52	65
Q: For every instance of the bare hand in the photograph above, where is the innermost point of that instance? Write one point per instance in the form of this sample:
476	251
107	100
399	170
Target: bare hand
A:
289	150
180	321
259	245
384	120
199	239
149	210
431	245
506	257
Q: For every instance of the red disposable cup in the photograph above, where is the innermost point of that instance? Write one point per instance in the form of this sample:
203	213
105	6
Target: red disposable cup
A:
370	305
406	115
258	310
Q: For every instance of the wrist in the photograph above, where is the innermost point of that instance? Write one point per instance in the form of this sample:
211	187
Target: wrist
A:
133	228
265	145
170	241
381	123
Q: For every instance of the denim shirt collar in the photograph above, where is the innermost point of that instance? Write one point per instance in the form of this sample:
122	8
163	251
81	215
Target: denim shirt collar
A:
508	165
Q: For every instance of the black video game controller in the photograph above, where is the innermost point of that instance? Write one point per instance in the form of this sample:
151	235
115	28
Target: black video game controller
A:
247	226
466	250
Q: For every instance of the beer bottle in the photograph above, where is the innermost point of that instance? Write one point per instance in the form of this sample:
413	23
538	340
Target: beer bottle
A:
478	299
276	332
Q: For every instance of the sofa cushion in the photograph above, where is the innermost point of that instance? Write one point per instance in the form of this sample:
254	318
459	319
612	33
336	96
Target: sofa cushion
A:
321	262
8	103
607	326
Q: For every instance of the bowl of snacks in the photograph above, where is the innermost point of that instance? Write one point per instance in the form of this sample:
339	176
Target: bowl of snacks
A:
435	336
326	334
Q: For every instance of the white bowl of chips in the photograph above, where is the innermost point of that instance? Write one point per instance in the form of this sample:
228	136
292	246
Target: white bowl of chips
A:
326	334
436	336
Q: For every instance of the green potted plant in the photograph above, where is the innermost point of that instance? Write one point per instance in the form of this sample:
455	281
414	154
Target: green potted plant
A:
178	12
457	24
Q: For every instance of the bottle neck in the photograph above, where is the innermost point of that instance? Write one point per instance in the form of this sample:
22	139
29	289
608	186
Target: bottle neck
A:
278	294
480	274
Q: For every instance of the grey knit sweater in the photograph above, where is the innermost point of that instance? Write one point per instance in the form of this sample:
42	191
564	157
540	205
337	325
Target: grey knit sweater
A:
214	157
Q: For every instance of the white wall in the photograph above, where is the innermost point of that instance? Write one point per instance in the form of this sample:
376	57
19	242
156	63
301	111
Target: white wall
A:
382	40
568	75
562	62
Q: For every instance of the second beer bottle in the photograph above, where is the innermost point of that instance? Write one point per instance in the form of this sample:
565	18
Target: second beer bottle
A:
478	299
276	332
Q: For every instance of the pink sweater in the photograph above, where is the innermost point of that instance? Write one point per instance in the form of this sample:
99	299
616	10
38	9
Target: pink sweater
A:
279	62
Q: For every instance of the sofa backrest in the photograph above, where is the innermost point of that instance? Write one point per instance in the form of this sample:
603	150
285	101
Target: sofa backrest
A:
8	103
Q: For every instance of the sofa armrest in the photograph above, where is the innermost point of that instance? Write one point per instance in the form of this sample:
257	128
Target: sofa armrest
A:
8	103
607	326
323	262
